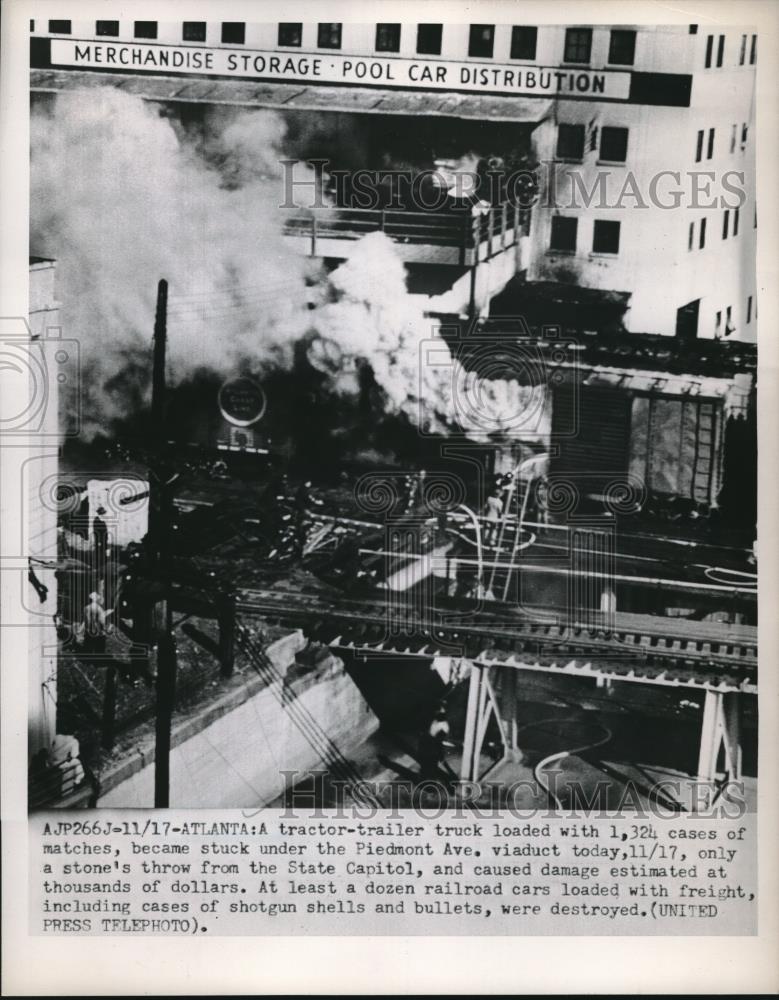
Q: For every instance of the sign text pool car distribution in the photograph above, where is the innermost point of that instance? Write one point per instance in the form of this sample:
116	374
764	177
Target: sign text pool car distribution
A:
427	74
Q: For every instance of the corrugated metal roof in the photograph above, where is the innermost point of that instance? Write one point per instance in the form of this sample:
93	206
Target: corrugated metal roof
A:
733	392
299	96
659	383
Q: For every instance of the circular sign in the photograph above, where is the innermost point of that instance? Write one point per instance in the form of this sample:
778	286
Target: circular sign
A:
242	401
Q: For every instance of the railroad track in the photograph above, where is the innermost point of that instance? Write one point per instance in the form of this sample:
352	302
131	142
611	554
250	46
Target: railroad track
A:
639	646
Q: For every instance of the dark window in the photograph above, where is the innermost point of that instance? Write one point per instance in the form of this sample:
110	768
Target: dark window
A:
578	45
743	51
718	324
233	32
481	40
291	33
691	236
622	47
145	29
729	328
570	142
32	25
721	50
710	147
429	39
107	28
709	49
702	240
744	134
329	35
735	222
725	221
733	138
749	309
699	147
613	144
753	51
523	42
563	233
59	27
387	37
193	31
693	29
605	236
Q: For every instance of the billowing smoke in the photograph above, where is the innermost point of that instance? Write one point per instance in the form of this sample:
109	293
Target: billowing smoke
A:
121	200
124	194
373	318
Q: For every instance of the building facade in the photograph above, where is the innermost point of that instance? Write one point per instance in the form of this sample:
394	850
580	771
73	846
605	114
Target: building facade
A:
643	135
657	177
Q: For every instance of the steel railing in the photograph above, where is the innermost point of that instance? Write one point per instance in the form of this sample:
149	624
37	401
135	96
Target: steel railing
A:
497	228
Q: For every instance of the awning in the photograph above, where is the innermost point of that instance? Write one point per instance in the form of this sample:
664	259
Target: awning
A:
299	97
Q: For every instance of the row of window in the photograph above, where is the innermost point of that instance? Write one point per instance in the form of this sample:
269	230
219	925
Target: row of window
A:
720	47
708	144
730	223
729	327
564	233
605	235
481	38
610	141
726	227
727	315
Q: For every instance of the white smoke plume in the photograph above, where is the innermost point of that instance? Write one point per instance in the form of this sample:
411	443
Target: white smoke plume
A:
123	194
373	318
121	200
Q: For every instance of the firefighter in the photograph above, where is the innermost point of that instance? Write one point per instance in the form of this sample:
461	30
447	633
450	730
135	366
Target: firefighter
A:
432	745
493	511
95	626
415	489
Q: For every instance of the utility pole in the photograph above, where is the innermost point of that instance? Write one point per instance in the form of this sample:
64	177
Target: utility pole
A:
159	544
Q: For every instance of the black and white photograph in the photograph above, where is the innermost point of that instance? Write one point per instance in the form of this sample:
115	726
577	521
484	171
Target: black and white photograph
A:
391	458
413	435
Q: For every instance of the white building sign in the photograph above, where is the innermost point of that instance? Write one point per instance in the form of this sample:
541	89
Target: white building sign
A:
307	67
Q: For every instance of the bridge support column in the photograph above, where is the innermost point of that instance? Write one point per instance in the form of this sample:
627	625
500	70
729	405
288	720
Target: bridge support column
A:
720	734
482	703
469	769
508	712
